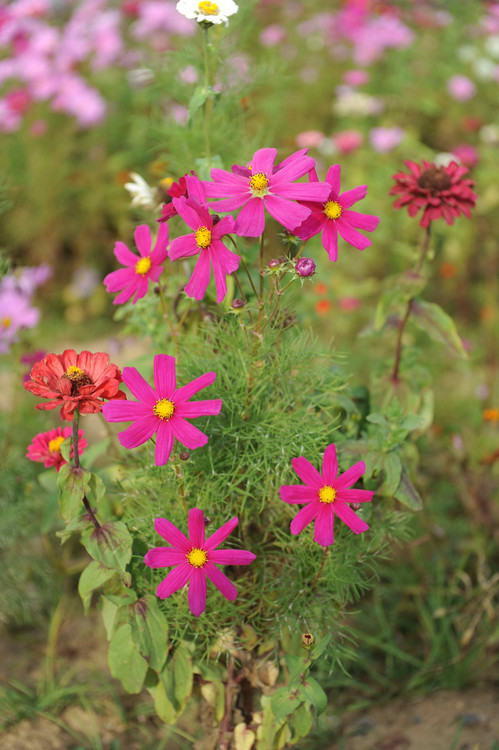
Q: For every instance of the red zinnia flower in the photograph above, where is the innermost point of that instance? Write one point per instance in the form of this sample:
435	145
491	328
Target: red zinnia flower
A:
75	381
439	191
45	447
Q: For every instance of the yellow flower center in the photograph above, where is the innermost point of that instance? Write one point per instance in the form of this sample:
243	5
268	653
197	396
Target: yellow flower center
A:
259	185
197	557
6	322
164	409
327	494
203	237
142	266
74	373
207	8
55	444
333	210
166	182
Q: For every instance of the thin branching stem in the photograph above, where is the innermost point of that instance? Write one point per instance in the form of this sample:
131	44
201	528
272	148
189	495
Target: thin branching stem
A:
76	464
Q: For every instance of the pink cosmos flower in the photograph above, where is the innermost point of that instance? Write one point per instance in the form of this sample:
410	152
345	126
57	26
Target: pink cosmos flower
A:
333	216
461	88
326	495
266	188
347	141
163	410
206	241
134	278
45	447
195	559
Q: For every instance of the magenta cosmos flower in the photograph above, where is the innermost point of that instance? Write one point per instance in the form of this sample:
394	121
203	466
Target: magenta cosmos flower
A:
163	410
205	241
45	447
266	188
195	559
134	278
325	496
334	215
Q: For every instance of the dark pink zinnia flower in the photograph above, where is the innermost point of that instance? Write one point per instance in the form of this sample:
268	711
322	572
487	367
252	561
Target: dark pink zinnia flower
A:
326	495
75	381
45	447
440	191
134	278
333	215
265	187
206	241
195	559
163	410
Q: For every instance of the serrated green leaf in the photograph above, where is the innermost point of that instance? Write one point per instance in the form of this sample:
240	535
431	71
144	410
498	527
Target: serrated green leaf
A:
73	484
284	703
407	494
438	325
125	661
311	690
149	631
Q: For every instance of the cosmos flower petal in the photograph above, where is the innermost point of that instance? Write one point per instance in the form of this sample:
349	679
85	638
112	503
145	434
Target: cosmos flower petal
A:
351	236
355	496
330	464
117	280
125	411
198	283
220	277
307	473
128	292
197	591
196	527
139	432
367	222
221	534
333	177
164	443
323	532
162	557
187	434
350	476
304	516
263	160
350	197
196	385
231	557
142	237
164	376
183	247
138	386
286	212
297	493
296	166
192	213
124	255
221	581
251	219
173	536
351	519
175	580
190	410
330	240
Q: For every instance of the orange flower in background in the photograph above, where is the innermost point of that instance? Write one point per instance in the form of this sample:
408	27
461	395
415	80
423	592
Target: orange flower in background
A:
320	288
491	415
323	306
448	270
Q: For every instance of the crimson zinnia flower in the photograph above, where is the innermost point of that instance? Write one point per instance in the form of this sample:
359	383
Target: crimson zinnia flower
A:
440	191
75	381
46	447
194	559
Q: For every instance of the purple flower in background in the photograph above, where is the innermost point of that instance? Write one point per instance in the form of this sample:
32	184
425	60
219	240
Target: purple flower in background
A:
385	139
16	313
461	88
26	280
305	267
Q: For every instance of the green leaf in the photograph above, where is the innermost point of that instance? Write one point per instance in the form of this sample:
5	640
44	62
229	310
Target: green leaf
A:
296	666
214	695
96	490
182	670
301	721
407	494
200	96
438	325
377	419
284	703
398	291
162	704
111	545
65	449
125	661
149	631
92	577
392	468
312	691
90	455
320	646
204	165
73	484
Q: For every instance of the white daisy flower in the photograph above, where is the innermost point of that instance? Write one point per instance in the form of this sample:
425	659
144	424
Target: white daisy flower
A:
142	193
209	12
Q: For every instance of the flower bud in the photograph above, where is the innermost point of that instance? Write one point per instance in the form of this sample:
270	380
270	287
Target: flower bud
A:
184	455
307	640
305	267
237	304
274	263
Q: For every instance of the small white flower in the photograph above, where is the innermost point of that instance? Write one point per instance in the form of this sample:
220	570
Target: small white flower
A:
484	68
443	159
204	10
142	193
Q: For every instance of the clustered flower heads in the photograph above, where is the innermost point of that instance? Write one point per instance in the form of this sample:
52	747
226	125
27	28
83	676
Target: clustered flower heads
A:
442	192
45	447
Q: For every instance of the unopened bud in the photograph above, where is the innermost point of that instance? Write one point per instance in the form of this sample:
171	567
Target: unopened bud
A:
305	267
216	218
184	456
355	506
274	263
237	304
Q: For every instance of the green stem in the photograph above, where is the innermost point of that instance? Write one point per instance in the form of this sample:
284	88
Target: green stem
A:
260	264
208	103
180	478
167	317
76	464
245	267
